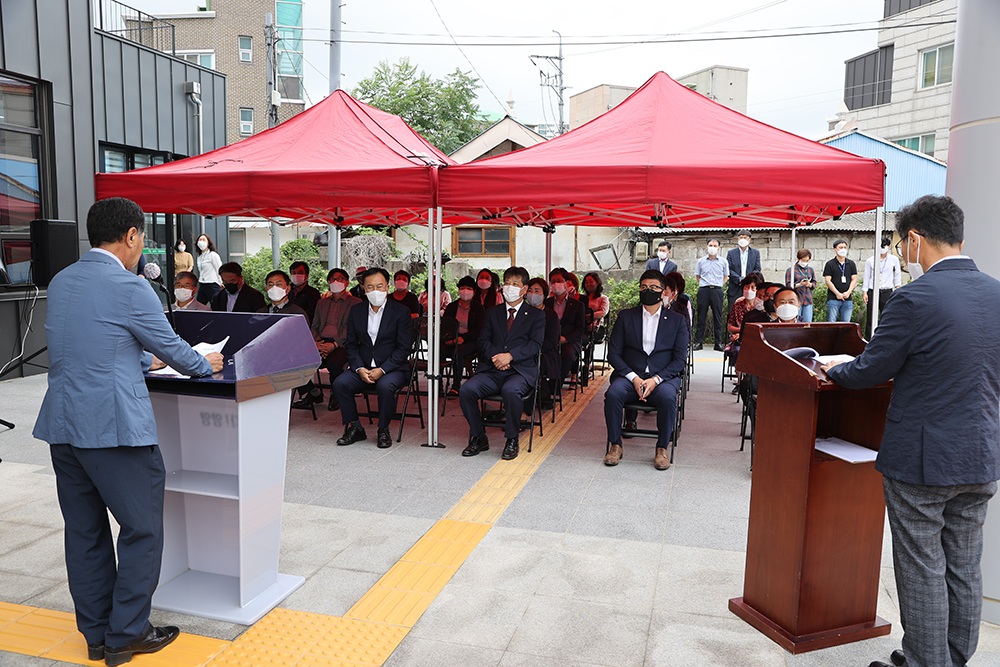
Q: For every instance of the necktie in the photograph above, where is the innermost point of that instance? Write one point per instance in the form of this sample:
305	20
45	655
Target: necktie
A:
510	319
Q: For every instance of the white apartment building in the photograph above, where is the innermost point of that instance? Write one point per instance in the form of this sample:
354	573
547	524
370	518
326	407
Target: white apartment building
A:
902	90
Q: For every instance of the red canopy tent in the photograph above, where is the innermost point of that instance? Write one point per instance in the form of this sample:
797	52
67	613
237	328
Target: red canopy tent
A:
340	161
668	156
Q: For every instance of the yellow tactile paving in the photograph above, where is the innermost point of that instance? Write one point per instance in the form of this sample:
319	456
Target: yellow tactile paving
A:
463	511
439	552
37	632
356	642
11	612
417	577
457	531
239	654
288	630
388	605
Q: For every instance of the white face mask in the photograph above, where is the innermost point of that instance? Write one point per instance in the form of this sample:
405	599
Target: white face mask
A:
202	244
758	303
401	285
183	294
803	264
276	294
511	293
298	279
377	298
915	269
558	288
787	312
751	295
842	252
885	250
744	243
484	283
465	294
713	250
337	287
662	254
181	247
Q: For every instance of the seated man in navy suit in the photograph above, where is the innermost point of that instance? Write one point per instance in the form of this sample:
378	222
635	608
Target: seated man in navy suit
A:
648	350
510	341
379	339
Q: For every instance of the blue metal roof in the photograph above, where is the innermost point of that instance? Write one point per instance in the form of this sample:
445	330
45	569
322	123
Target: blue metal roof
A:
909	174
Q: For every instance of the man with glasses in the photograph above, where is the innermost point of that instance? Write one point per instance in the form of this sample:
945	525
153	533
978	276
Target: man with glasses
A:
648	350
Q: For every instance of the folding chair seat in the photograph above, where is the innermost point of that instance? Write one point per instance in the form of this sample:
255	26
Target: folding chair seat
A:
532	397
642	406
410	390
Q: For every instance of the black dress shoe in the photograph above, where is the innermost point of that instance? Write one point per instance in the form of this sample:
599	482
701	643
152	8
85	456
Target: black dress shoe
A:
719	348
879	663
154	640
333	404
95	651
898	658
352	434
308	401
509	449
698	347
476	445
384	439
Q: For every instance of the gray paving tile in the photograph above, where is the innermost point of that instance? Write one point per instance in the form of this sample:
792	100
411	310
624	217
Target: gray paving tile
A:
417	652
636	467
698	581
396	473
313	535
331	591
19	660
43	557
620	523
621	494
19	535
16	588
688	639
539	515
382	544
729	480
627	580
455	477
570	467
554	490
710	501
706	530
511	659
581	631
429	504
44	512
195	625
507	566
473	616
56	597
364	497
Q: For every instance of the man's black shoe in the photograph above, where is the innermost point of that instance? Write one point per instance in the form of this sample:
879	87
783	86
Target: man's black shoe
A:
352	434
333	404
878	663
384	439
308	401
154	640
698	347
509	449
95	651
719	348
476	445
898	658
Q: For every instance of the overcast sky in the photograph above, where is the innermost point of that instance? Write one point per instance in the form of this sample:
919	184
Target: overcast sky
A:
795	83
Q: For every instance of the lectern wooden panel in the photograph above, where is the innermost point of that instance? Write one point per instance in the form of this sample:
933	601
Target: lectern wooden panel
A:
816	522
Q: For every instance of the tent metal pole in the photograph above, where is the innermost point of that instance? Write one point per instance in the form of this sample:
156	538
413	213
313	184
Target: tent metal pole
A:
548	253
795	250
433	331
876	266
438	283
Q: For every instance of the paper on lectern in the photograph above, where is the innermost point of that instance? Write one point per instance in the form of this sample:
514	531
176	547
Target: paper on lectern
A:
200	348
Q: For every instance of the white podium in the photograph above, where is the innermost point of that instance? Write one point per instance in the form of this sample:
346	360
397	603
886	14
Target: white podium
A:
224	441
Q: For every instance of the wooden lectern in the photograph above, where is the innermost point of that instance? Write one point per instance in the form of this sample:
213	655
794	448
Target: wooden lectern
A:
814	543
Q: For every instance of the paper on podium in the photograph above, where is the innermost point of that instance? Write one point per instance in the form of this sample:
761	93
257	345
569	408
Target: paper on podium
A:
200	348
845	451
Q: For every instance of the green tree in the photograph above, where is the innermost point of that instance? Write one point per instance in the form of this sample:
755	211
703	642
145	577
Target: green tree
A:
258	265
444	111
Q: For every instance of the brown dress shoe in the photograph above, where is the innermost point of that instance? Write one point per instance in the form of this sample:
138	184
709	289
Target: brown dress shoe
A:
613	456
662	460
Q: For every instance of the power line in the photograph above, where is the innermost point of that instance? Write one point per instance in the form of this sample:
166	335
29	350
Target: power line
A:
440	18
736	16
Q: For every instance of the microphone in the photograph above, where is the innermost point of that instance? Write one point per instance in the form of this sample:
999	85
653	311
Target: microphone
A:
153	274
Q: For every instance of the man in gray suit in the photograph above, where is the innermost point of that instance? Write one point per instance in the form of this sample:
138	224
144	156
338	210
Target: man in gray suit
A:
98	421
940	453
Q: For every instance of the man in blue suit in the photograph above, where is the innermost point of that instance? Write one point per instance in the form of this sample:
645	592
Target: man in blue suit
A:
509	344
662	261
648	350
742	261
940	452
98	421
379	340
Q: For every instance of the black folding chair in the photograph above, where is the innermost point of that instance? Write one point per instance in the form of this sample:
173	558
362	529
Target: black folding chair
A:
642	406
728	370
748	421
532	396
412	389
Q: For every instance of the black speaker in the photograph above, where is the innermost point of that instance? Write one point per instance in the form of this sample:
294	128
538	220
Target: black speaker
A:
54	246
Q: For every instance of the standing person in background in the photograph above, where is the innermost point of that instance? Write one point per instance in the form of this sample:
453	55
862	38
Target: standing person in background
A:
802	279
209	263
890	278
940	450
711	275
742	261
303	295
841	275
103	324
662	261
183	260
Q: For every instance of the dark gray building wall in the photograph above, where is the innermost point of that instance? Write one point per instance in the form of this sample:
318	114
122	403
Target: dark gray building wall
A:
99	88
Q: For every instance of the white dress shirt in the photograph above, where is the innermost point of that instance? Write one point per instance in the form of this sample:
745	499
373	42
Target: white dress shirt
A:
890	275
650	325
744	254
374	322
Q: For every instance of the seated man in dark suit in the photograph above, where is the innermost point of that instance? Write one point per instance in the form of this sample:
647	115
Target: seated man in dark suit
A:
236	296
648	350
279	287
572	320
303	295
511	339
379	339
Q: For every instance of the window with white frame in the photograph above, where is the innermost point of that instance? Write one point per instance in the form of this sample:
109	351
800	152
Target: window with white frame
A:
923	144
935	66
204	58
246	49
246	121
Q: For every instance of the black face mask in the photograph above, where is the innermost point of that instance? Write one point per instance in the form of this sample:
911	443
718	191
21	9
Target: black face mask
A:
648	297
232	288
769	306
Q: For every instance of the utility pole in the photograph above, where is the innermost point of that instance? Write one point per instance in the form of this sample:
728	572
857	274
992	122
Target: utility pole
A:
272	119
554	81
333	231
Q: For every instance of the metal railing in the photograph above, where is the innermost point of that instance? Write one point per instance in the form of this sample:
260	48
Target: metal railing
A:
133	25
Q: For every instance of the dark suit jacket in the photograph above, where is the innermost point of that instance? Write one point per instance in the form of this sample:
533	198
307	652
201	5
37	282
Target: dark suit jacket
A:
668	267
936	339
523	341
392	343
476	315
753	264
573	322
248	300
550	345
306	298
669	354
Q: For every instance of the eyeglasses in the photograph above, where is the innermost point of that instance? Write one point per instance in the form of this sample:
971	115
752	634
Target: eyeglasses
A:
899	243
650	288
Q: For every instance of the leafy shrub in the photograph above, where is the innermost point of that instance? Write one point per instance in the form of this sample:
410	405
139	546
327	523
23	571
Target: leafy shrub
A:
258	265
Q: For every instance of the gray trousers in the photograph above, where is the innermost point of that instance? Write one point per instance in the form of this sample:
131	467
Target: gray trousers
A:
937	545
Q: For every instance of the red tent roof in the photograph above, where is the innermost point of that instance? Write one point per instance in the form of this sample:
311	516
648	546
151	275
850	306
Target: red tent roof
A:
338	155
670	156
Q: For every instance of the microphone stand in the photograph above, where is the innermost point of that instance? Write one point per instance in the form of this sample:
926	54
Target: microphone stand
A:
170	308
